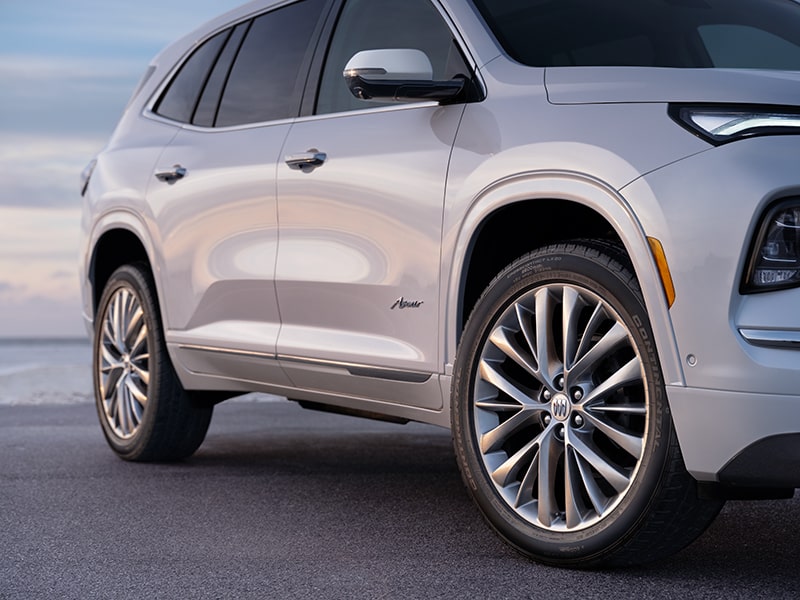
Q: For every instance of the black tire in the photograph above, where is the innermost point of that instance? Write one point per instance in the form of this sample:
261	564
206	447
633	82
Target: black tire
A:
145	413
572	460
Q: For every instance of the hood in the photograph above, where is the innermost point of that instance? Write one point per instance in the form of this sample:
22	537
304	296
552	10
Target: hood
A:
594	85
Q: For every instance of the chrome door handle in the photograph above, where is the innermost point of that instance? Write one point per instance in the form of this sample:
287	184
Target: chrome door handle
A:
172	175
306	161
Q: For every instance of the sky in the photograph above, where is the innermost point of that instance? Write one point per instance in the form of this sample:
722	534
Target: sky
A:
67	69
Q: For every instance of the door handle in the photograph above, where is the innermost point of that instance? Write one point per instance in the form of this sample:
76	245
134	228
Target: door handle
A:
171	175
306	161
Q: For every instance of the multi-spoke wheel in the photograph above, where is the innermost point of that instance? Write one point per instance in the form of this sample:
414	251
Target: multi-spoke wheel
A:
123	363
144	411
560	418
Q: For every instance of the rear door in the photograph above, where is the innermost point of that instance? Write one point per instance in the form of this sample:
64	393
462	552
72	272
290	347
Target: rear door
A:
213	195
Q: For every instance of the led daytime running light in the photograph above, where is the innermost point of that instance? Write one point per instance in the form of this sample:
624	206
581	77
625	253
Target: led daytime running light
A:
724	124
727	125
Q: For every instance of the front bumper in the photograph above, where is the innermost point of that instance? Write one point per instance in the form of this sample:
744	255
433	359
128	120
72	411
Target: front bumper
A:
736	404
738	438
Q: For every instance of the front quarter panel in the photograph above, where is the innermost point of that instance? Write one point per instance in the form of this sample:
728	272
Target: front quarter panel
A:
736	394
516	146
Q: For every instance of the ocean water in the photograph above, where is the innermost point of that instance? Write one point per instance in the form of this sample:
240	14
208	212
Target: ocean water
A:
21	355
45	371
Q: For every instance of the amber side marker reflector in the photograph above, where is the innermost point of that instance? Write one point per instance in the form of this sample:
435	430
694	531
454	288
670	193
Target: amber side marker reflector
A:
663	269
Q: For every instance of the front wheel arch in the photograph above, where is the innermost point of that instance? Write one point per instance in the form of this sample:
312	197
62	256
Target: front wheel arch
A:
552	207
511	231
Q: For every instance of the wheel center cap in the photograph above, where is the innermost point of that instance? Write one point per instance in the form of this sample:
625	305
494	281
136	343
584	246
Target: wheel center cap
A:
560	407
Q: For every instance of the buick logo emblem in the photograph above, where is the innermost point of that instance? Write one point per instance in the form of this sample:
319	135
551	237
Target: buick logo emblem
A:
560	407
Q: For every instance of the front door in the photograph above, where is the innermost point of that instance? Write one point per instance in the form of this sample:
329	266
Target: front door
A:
357	274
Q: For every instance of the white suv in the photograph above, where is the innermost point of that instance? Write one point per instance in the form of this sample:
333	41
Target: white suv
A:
568	229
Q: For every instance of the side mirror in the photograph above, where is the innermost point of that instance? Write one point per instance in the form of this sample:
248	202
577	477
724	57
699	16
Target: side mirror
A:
400	75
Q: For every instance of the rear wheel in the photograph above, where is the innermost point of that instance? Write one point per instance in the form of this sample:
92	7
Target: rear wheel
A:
560	417
145	413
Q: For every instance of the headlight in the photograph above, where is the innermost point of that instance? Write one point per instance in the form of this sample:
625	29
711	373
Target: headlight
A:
775	258
720	124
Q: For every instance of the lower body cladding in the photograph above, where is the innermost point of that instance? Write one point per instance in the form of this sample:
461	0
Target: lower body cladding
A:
738	439
350	389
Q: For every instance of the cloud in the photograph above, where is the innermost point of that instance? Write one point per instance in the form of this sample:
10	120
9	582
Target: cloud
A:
40	171
33	68
91	27
41	316
68	69
29	311
63	274
55	95
35	234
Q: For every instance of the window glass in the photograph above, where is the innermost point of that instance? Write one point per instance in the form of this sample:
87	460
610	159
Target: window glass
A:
745	47
378	24
267	78
658	33
206	112
179	101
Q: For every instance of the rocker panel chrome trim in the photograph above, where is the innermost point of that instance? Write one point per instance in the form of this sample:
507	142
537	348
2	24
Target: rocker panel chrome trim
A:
352	368
363	370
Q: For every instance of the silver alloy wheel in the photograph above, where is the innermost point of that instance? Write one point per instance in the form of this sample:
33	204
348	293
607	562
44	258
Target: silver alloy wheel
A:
561	407
123	361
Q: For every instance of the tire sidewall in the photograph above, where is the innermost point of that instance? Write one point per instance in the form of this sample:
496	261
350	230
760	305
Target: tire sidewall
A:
549	266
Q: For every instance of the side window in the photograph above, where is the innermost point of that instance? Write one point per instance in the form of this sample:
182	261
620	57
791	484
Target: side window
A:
377	24
634	51
179	100
205	114
745	47
267	78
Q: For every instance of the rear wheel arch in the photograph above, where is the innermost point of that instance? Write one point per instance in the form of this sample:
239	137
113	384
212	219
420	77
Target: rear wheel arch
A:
113	249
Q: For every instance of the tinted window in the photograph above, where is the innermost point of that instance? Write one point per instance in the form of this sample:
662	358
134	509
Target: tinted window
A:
661	33
268	75
179	101
747	47
206	113
376	24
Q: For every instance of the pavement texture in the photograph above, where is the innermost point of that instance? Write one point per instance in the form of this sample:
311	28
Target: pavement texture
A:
285	503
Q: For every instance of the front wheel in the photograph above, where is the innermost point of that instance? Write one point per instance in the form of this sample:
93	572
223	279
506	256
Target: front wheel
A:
145	413
560	418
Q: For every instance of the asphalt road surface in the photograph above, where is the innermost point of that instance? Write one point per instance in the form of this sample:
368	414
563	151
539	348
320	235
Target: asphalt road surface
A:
285	503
